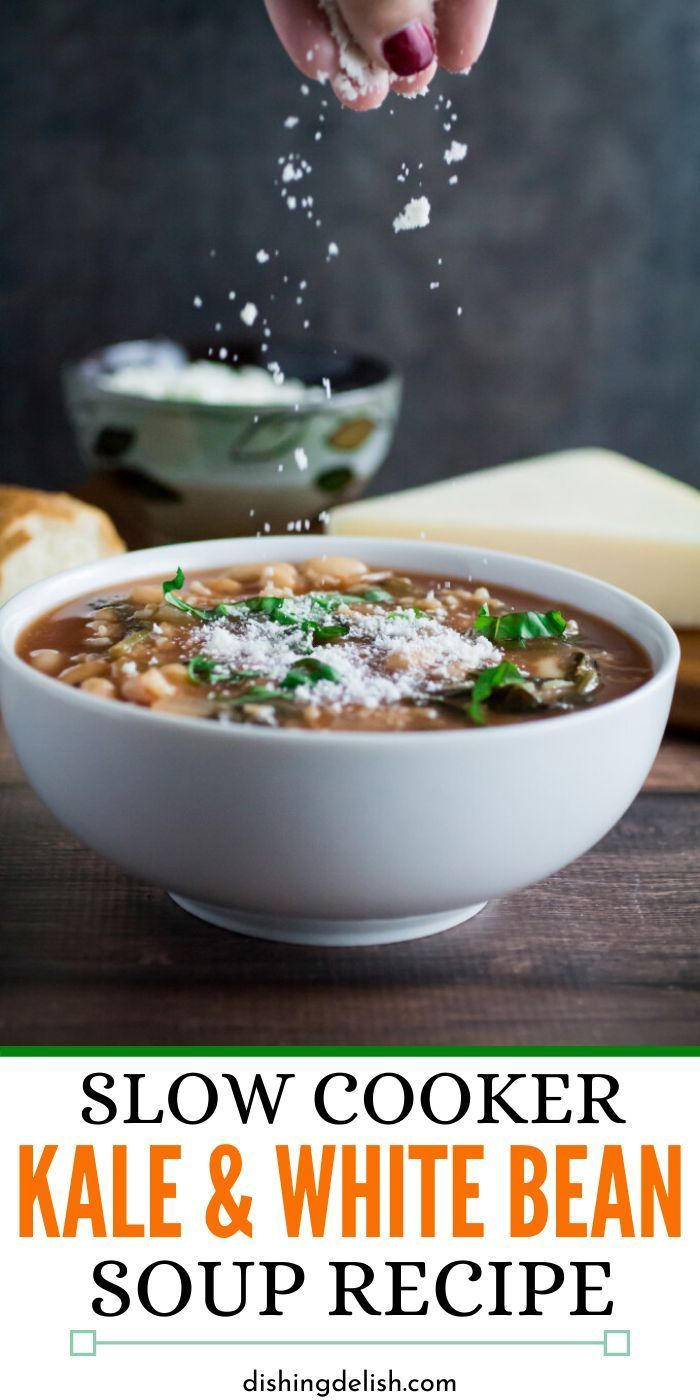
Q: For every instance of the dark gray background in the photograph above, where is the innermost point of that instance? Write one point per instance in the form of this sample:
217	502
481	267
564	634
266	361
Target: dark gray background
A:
139	135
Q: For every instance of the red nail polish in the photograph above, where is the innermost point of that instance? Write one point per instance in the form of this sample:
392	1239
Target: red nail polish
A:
410	50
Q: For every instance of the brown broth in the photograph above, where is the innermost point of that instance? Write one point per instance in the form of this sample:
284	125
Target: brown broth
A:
152	669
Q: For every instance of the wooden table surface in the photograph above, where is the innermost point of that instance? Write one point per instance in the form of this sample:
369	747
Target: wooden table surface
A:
605	952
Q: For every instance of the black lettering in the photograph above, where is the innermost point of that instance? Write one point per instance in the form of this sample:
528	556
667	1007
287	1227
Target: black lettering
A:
603	1100
174	1098
274	1290
532	1292
493	1096
343	1288
210	1266
544	1098
398	1288
583	1287
426	1098
441	1283
259	1090
98	1277
134	1114
144	1283
320	1098
499	1267
88	1115
371	1089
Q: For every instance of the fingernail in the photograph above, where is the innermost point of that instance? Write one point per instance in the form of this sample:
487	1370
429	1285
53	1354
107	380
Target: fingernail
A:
410	50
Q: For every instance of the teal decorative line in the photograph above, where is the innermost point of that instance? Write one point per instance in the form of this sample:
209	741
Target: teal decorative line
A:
472	1342
86	1343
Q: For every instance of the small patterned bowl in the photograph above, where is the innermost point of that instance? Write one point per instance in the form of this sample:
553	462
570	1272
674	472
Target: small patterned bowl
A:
200	469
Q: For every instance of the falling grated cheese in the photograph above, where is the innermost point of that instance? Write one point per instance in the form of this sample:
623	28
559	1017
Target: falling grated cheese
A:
416	214
292	172
249	314
456	152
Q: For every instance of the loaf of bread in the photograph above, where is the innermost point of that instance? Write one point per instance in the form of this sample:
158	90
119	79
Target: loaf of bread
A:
42	532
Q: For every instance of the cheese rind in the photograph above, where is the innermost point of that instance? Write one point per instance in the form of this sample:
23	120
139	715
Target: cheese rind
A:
588	509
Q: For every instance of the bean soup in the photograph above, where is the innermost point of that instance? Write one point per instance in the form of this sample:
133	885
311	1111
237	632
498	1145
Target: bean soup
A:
333	643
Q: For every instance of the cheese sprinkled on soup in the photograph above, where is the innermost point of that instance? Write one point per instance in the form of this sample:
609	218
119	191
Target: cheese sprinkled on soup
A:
333	643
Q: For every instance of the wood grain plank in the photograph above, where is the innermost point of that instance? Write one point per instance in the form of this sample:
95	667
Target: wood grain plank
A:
685	711
677	767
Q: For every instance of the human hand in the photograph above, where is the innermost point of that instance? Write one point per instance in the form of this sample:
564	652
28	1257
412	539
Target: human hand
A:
367	48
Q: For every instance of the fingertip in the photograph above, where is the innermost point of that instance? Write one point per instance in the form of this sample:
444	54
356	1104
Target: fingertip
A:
302	31
460	67
414	86
462	30
360	100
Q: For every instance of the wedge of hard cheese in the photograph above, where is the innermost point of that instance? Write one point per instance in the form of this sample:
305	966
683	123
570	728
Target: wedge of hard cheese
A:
588	509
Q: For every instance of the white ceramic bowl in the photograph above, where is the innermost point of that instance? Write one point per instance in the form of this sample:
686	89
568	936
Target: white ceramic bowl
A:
334	838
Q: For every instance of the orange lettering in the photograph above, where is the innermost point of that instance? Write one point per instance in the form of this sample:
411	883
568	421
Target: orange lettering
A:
655	1188
34	1188
612	1200
304	1190
354	1190
529	1188
464	1190
84	1176
121	1229
162	1191
568	1191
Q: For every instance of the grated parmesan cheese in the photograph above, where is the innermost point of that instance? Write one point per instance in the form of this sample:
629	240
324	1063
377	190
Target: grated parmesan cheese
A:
249	314
415	214
358	75
456	152
383	659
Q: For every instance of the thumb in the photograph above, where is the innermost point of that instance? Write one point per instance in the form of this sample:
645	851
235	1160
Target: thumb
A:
394	34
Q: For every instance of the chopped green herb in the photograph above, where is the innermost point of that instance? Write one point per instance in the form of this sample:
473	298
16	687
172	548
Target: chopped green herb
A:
330	601
327	633
276	609
280	610
519	626
201	668
205	614
260	694
408	612
492	678
308	671
284	612
377	595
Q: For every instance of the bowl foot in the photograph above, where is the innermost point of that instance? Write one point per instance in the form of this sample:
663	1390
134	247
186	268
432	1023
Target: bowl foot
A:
326	933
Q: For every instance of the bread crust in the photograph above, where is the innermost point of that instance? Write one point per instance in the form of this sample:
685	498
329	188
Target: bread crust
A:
17	503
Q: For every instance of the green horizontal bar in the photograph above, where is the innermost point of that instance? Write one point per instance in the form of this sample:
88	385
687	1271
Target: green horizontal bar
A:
362	1051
